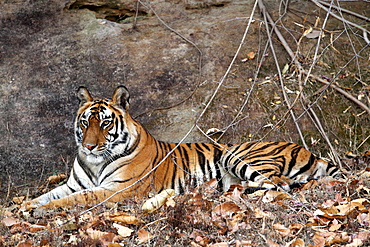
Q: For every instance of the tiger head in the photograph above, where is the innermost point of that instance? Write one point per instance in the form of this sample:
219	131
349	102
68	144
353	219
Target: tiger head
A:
103	127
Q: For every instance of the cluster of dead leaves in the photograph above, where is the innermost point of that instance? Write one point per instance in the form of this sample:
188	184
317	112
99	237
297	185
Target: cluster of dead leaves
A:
72	230
324	212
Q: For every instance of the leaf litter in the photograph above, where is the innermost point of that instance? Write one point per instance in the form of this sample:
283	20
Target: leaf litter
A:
324	212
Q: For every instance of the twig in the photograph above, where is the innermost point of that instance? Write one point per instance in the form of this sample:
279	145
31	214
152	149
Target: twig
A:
341	91
290	107
364	30
345	11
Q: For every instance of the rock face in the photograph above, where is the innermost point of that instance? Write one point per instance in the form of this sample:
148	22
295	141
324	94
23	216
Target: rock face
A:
50	48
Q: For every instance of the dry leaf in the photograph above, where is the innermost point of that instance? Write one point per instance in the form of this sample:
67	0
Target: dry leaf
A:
258	213
223	244
271	243
313	34
242	243
107	239
9	221
335	226
157	201
282	230
364	219
122	230
273	195
25	244
37	227
250	55
124	218
114	245
143	236
95	234
355	243
225	210
298	242
19	199
330	238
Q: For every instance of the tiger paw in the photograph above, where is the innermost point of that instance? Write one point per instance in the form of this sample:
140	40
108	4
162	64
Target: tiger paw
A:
28	206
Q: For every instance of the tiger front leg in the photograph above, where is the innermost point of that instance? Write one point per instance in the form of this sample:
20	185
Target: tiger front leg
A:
85	197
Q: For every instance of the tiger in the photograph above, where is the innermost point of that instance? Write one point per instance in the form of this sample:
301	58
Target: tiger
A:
117	159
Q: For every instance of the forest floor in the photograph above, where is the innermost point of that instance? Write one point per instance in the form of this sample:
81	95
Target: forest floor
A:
324	212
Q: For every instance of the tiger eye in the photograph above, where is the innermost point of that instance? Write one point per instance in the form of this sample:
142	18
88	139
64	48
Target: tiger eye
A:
84	123
105	123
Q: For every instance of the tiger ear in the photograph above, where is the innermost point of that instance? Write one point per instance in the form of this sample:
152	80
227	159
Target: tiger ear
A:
83	95
121	97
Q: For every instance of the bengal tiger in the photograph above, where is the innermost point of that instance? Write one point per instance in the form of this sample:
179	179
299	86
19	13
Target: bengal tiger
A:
116	153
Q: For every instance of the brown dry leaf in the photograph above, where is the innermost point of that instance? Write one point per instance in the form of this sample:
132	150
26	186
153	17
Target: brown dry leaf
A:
222	244
271	243
107	239
122	230
355	243
282	230
18	199
318	240
250	55
298	242
124	218
37	227
25	244
295	227
242	243
9	221
273	195
20	227
234	194
114	245
258	213
330	238
95	234
237	222
225	210
143	236
209	187
335	226
364	219
157	201
358	239
352	205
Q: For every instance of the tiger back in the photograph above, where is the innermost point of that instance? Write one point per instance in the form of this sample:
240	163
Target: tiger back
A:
117	158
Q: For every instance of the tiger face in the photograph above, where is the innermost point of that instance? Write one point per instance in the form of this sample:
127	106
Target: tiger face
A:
102	128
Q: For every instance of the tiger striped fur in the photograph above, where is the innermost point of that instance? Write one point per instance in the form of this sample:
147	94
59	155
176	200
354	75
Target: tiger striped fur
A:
115	153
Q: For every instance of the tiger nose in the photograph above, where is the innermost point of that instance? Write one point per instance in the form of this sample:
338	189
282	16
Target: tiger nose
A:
89	146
